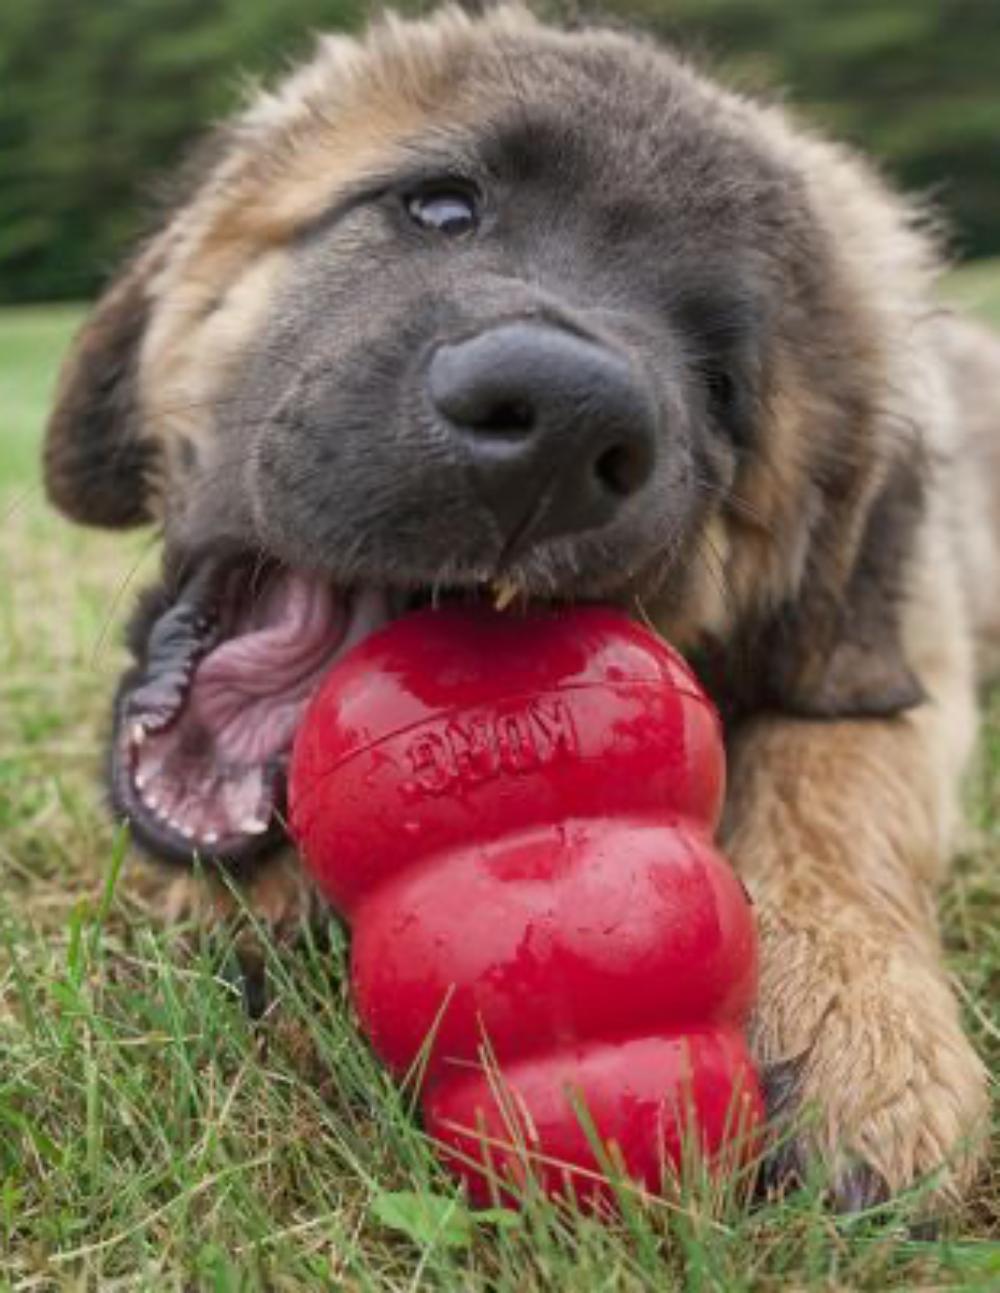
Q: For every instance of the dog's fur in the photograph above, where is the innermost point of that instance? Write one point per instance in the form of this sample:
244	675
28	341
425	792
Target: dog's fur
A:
831	570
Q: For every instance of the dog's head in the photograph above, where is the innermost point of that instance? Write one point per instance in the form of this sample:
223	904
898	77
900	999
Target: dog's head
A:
473	305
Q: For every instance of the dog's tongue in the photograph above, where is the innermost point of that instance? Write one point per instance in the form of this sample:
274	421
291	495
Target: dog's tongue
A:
248	692
209	776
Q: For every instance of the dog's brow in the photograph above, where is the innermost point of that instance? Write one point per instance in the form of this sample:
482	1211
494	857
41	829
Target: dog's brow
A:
442	154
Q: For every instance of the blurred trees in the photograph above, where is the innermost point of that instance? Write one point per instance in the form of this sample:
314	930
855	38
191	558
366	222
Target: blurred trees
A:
915	83
97	97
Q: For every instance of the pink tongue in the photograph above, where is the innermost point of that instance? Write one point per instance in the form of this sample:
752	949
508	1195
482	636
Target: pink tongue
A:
209	775
249	692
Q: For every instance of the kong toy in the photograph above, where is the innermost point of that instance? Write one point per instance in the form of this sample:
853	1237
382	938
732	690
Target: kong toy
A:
515	815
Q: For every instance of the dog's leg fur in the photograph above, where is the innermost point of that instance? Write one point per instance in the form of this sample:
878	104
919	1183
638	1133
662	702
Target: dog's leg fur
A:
841	831
278	893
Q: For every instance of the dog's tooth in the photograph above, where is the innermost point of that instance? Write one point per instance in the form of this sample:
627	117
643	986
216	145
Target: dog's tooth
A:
157	806
152	802
210	837
253	826
504	592
138	733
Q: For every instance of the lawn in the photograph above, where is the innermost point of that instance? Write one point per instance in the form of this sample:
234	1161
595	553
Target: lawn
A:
153	1136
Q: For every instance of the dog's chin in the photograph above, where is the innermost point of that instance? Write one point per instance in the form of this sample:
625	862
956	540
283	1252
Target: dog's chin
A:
204	725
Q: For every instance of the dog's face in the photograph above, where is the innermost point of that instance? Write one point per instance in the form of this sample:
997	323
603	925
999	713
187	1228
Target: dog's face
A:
472	308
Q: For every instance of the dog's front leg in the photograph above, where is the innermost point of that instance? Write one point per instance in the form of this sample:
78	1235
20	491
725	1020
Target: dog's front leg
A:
838	831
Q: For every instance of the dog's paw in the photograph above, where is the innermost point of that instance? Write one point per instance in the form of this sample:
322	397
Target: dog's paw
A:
871	1084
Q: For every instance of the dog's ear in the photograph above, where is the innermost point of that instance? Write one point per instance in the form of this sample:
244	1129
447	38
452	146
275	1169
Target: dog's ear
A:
838	651
97	465
835	650
100	462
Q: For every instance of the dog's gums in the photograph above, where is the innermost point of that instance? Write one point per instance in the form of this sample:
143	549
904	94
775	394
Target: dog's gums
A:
204	727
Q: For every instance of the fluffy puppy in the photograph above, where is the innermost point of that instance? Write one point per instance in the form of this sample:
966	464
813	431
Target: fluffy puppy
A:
476	300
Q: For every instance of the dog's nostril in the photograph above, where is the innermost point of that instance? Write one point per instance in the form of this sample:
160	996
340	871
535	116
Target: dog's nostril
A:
621	471
541	414
507	417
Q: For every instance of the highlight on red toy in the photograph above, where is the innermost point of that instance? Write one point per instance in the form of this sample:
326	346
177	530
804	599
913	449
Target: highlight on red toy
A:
515	815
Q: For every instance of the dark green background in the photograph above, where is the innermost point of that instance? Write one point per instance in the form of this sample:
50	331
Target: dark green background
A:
97	97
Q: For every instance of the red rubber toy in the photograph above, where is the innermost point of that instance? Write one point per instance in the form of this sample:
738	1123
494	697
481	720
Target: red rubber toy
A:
515	814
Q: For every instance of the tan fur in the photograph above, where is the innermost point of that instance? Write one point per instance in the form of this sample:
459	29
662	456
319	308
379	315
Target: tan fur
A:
769	525
188	358
279	896
837	832
843	833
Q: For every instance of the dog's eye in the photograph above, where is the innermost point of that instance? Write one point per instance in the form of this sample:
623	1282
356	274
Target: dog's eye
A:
452	210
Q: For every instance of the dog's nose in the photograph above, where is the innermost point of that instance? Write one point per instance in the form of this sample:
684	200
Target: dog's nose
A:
559	430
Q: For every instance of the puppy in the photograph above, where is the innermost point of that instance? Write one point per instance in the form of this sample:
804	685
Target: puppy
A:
471	303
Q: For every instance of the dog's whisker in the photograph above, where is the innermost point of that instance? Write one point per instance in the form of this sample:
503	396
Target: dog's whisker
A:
118	596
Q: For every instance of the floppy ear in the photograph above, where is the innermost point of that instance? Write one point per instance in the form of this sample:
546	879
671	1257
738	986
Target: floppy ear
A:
96	465
836	649
838	652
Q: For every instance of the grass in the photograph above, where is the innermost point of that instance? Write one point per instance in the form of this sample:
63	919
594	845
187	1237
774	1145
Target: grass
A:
976	287
153	1136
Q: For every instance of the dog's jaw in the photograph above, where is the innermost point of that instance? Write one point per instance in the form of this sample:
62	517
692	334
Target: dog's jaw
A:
204	728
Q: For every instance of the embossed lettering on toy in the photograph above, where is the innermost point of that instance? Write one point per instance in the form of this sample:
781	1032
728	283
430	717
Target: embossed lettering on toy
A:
477	747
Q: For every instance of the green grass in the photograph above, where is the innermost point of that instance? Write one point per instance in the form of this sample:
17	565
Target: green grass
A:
152	1136
976	287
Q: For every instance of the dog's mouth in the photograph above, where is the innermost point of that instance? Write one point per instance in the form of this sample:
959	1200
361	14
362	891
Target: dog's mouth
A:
204	725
